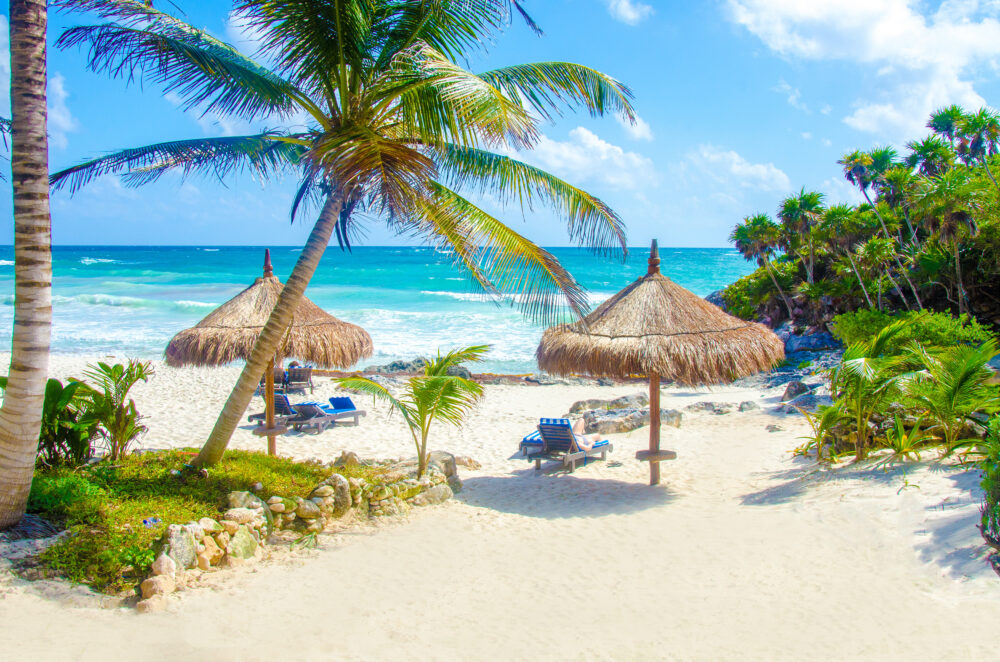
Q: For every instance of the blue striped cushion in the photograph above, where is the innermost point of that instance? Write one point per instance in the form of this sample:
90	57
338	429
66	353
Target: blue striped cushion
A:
533	439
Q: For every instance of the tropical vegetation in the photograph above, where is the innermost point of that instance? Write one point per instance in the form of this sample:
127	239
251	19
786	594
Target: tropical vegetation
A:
388	124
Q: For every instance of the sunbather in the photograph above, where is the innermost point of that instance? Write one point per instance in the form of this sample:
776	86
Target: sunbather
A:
584	441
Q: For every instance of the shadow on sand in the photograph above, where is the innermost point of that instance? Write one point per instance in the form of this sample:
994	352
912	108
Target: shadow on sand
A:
558	496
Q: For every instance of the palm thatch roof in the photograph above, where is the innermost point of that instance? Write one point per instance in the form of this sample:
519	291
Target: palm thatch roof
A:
229	332
656	327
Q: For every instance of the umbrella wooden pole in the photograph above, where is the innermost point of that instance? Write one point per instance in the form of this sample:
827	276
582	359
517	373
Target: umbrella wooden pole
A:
272	446
654	429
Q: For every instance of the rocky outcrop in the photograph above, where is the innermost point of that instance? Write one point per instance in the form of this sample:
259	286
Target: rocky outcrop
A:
793	390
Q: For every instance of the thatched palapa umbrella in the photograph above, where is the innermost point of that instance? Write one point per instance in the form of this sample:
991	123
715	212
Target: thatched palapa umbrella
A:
656	328
229	332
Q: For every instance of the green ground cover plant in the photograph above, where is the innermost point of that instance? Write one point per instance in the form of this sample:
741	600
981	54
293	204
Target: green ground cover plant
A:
926	328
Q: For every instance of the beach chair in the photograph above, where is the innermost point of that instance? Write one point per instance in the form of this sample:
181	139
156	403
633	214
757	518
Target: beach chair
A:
531	443
282	411
279	382
298	379
559	442
344	408
310	416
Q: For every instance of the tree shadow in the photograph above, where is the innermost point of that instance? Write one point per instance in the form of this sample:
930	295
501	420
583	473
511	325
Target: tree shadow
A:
806	474
555	496
953	541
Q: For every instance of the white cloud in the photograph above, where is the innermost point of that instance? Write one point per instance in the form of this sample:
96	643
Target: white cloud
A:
794	96
61	120
638	131
827	142
928	58
806	135
629	11
838	189
585	157
728	167
4	67
826	109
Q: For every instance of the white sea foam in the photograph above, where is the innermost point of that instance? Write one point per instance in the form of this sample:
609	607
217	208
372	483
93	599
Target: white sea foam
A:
6	263
96	260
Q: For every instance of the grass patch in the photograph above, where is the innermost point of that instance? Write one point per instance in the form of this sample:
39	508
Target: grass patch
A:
116	512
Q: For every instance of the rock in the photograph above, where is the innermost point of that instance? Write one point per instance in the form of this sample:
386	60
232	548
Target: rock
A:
322	491
257	487
164	565
774	428
467	462
277	507
240	515
222	538
455	483
180	546
274	499
749	405
417	365
195	530
459	371
243	500
230	526
436	494
812	343
723	408
158	585
307	510
347	459
635	401
209	525
243	545
708	407
444	461
151	604
341	491
212	552
715	298
785	331
793	390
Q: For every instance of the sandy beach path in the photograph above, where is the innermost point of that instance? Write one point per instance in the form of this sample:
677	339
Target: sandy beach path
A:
744	553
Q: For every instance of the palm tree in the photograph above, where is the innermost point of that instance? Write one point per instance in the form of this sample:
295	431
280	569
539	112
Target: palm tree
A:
799	215
875	254
397	129
946	203
842	232
757	238
21	413
930	156
980	132
434	396
944	122
897	184
862	169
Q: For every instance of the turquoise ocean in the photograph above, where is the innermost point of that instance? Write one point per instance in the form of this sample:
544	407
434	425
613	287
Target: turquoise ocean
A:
130	300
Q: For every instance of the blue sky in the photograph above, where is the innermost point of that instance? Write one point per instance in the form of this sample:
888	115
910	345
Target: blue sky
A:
741	103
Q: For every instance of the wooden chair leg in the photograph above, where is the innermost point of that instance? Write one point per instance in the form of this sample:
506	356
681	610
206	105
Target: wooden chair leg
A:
538	464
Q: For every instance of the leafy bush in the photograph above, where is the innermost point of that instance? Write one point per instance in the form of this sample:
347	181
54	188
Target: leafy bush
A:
64	438
747	295
66	497
108	408
990	511
928	329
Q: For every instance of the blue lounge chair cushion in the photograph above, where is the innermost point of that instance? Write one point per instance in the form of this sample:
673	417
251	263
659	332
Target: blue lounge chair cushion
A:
532	439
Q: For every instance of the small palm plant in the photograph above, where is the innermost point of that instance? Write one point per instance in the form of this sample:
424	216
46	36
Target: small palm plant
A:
429	397
904	443
952	385
823	421
108	405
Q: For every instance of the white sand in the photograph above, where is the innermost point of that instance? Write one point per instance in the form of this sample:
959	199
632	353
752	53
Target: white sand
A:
744	552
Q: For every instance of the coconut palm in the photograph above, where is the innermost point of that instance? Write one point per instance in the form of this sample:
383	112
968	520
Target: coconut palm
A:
898	184
842	230
863	169
396	129
757	238
799	215
875	255
944	122
947	204
930	156
980	132
21	413
434	396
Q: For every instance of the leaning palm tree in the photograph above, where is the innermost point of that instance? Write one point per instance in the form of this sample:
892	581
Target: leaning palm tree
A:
944	122
979	133
24	394
930	156
897	185
863	169
397	129
947	204
799	214
842	230
757	238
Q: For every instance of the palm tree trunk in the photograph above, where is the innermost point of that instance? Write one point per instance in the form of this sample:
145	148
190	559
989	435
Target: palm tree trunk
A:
896	287
788	304
21	414
916	297
909	225
812	260
272	333
989	172
860	281
958	275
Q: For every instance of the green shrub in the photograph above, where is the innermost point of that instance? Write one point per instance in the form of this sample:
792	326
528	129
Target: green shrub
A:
66	497
990	511
746	296
928	329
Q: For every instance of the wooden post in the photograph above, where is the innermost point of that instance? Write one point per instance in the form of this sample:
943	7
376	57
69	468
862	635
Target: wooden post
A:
654	428
272	447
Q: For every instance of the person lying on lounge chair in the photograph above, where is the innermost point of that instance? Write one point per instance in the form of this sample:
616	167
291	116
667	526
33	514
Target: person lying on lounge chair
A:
584	441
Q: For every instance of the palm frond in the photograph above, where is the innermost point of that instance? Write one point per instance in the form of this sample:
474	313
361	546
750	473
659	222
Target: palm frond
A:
261	154
514	267
204	71
549	87
440	364
591	222
444	397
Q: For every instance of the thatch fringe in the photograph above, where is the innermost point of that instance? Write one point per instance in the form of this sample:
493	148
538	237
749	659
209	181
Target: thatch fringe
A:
229	332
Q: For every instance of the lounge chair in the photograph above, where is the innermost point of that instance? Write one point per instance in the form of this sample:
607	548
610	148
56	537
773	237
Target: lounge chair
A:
560	442
279	381
298	379
310	416
532	443
344	408
282	411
